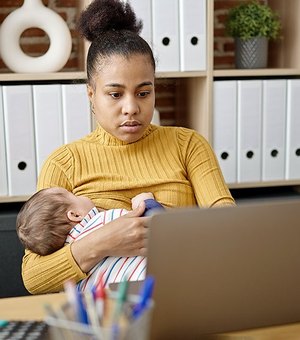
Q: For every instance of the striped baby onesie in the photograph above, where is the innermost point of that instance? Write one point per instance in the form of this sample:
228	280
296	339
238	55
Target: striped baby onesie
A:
113	269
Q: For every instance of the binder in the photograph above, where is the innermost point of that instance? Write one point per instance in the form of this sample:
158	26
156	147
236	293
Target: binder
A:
156	117
76	112
19	133
274	129
48	122
293	130
249	129
142	9
192	27
225	127
3	170
165	34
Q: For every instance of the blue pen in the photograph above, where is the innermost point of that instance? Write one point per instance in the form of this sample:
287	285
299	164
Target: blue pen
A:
81	310
76	302
145	296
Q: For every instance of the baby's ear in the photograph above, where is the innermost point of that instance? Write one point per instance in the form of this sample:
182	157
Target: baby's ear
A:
74	216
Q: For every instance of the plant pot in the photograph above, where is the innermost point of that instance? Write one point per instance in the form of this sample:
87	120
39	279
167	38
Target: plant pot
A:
252	53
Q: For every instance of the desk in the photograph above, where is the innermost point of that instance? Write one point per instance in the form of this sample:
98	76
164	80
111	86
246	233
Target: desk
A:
31	308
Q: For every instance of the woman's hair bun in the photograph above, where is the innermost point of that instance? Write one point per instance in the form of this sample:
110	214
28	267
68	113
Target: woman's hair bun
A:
106	15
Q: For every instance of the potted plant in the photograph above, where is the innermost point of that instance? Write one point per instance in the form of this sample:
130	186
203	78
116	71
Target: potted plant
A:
252	24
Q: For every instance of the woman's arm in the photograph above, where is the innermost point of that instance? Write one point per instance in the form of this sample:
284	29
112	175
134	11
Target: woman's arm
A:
125	236
43	274
46	274
205	174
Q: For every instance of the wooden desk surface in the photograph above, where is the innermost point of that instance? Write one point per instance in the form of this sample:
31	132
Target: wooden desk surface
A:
29	307
32	308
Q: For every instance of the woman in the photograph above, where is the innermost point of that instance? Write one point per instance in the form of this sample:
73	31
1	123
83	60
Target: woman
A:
125	155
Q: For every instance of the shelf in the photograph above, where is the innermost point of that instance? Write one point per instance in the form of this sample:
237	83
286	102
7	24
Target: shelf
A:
12	77
264	184
11	199
181	74
257	72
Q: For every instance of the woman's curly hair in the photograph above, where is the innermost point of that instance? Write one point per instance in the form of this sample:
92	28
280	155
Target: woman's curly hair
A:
113	29
106	15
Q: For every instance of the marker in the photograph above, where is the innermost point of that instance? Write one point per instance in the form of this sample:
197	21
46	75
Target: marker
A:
100	297
121	299
145	296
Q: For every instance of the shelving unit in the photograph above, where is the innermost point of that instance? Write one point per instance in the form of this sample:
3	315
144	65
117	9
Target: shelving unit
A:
284	61
194	90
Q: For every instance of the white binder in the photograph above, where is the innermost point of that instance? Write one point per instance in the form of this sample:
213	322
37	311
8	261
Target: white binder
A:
156	117
274	129
76	112
165	34
19	133
225	127
142	9
293	130
48	122
249	130
3	169
192	27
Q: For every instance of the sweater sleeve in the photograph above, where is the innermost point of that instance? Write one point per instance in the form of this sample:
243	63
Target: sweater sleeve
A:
47	274
57	170
205	174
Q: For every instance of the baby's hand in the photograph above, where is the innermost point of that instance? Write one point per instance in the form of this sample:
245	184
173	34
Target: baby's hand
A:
136	200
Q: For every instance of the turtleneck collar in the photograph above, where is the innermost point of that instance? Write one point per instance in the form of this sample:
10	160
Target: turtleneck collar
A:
105	138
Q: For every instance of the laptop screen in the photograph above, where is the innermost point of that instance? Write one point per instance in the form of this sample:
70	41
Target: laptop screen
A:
225	269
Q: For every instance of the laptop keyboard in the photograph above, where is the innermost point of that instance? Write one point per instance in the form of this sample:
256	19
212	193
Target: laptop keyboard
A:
25	330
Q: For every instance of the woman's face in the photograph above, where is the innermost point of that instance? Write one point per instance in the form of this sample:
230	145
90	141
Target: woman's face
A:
123	96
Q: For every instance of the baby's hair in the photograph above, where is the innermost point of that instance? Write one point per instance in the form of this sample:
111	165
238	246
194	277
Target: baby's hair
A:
113	29
42	224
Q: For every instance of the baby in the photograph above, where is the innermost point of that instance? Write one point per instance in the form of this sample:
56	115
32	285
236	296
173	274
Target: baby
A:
53	217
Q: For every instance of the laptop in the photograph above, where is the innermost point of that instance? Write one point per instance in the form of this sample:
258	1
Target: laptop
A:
225	269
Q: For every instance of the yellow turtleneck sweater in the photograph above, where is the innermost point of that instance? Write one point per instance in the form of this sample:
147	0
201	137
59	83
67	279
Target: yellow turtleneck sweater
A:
176	164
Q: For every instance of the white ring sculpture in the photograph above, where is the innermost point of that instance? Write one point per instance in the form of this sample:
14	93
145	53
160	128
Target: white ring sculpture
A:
33	13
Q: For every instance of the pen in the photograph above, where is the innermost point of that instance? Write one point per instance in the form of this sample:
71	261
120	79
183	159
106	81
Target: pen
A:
121	299
145	296
69	287
92	312
81	310
100	297
75	299
59	320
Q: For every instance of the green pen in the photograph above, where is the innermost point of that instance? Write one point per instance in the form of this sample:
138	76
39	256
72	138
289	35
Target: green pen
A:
121	299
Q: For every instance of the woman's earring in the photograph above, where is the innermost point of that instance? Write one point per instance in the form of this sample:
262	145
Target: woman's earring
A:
92	108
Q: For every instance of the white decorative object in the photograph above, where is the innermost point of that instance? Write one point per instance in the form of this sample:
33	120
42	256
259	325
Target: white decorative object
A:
31	14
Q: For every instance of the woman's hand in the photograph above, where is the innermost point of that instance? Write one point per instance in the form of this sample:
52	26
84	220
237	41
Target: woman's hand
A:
124	236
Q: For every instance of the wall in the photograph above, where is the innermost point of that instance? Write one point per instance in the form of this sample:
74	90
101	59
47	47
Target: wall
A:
35	42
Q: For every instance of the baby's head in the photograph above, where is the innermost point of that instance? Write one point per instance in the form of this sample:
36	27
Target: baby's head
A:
45	220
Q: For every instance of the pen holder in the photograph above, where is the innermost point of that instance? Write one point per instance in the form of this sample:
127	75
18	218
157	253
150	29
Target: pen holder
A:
62	326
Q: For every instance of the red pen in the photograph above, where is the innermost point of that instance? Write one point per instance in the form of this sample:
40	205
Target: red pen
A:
100	299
